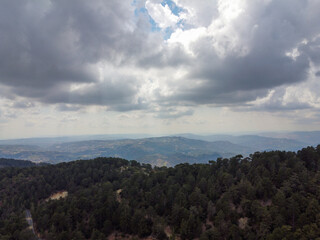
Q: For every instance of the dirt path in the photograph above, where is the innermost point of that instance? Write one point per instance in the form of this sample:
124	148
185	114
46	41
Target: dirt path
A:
30	222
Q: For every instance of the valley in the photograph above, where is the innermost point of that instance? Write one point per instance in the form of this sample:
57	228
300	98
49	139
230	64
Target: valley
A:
160	151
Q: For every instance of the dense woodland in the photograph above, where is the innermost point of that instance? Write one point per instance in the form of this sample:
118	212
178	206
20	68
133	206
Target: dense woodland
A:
15	163
269	195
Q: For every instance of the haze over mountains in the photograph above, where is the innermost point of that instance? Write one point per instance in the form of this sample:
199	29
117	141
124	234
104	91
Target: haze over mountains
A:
167	150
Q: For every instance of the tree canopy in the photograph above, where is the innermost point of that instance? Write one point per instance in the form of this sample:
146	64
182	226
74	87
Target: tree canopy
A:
269	195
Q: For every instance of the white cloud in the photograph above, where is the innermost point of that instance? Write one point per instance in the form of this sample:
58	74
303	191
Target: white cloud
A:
198	13
301	96
187	37
162	15
221	53
222	31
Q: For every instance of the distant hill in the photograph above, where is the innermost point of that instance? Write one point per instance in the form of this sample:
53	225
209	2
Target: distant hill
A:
15	163
33	153
168	151
257	143
308	137
49	141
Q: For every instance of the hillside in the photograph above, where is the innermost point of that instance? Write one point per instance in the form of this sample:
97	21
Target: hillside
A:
311	137
270	195
161	148
159	151
15	163
260	143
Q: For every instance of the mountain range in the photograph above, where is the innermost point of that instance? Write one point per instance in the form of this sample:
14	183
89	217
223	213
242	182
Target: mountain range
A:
167	150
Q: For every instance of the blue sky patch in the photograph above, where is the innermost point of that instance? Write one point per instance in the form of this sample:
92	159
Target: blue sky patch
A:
173	7
154	26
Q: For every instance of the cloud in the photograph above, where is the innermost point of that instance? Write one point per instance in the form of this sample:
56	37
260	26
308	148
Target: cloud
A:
48	47
276	101
100	93
295	97
198	13
162	15
241	55
174	115
68	108
75	54
23	104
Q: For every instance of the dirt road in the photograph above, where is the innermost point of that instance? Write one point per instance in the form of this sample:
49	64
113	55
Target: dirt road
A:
30	222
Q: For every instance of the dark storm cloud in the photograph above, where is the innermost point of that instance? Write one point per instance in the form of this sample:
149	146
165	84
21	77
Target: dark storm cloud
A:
241	79
312	48
48	47
22	104
101	93
33	53
276	30
210	95
271	36
173	57
45	46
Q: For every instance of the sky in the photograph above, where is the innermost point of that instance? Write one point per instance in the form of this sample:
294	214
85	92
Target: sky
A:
158	67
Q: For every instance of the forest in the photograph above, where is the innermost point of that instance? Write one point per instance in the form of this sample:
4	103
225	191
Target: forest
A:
268	195
16	163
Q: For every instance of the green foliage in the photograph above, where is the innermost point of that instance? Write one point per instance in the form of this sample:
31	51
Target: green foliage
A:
15	163
270	195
